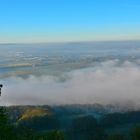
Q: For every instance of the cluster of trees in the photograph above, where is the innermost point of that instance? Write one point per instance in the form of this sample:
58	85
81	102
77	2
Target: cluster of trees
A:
82	128
88	128
9	131
113	119
40	123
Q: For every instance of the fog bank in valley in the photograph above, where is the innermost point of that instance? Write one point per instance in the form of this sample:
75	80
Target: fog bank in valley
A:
105	83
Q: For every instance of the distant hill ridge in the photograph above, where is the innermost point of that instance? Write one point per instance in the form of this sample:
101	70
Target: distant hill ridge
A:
26	112
44	118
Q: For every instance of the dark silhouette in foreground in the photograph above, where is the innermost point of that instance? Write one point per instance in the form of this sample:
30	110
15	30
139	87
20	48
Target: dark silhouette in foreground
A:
0	88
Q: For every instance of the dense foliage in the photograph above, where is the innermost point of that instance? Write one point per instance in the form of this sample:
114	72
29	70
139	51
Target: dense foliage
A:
114	126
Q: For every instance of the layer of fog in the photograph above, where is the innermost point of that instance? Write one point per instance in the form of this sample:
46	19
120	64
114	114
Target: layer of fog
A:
106	83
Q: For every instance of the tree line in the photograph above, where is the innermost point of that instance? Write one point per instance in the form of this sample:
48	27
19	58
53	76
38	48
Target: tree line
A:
82	128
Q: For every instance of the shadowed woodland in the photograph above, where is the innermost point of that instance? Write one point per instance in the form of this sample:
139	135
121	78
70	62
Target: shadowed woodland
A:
38	123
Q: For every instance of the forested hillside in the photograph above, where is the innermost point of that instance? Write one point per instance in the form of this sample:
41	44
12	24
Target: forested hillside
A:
68	122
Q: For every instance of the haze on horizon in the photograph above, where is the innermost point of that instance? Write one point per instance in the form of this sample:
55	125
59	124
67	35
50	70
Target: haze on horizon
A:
34	21
73	73
89	72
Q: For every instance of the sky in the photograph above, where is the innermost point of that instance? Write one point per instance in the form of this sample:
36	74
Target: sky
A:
31	21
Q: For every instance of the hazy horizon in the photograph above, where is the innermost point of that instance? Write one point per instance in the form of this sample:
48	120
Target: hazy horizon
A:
69	51
70	73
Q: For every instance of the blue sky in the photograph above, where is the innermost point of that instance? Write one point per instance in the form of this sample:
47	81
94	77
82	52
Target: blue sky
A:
68	20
